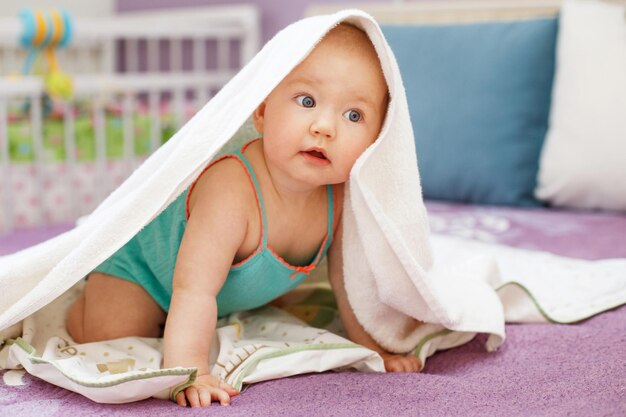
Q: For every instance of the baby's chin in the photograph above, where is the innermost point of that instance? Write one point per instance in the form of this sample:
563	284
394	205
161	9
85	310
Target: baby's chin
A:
320	180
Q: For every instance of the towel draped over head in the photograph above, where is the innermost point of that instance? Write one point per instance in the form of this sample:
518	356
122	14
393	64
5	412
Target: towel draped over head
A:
390	278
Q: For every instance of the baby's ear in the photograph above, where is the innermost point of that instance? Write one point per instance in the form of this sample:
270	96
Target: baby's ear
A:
258	117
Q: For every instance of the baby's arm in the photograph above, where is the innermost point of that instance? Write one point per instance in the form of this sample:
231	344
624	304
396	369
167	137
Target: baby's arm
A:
215	230
354	330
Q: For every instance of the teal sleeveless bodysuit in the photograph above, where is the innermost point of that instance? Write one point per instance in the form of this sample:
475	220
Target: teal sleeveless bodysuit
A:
148	259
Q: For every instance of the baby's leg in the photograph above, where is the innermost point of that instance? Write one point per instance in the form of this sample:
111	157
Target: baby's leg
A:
110	308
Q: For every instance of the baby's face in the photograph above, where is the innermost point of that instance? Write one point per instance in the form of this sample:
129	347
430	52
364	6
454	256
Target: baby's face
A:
325	113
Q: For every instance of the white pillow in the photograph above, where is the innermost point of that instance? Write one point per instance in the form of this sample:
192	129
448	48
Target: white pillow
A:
583	161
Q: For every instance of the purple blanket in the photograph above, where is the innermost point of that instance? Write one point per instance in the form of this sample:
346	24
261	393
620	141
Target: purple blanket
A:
541	370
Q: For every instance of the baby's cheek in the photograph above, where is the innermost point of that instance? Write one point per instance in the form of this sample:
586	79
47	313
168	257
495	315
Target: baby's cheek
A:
354	156
346	170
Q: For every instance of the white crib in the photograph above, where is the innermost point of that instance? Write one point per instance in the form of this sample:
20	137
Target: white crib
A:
141	67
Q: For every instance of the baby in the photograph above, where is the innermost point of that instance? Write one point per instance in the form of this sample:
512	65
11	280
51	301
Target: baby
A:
254	223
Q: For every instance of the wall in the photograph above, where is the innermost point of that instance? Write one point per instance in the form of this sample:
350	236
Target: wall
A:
275	14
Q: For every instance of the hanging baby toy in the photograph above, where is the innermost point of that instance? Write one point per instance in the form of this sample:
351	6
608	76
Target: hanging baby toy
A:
43	34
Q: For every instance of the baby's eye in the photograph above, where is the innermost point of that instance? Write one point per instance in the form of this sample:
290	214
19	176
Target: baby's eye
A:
305	101
353	115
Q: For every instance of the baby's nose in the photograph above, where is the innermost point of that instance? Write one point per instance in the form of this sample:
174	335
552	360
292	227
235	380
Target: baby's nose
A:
323	125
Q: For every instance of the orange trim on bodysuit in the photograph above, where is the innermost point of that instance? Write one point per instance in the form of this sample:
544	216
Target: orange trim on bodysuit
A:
244	147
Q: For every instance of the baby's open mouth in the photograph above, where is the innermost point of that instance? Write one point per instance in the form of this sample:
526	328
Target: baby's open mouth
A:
317	154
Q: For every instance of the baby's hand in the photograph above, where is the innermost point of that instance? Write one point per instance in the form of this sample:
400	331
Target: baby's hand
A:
402	363
205	389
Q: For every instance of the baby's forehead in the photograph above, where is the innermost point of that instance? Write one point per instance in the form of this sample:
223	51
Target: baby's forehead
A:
348	37
349	42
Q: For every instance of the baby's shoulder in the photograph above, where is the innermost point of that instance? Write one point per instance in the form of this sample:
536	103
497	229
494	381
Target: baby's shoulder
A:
225	173
224	179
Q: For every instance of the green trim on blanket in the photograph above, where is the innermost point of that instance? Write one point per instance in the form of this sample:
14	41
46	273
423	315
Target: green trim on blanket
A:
546	316
24	345
190	372
288	351
21	343
174	391
534	300
420	345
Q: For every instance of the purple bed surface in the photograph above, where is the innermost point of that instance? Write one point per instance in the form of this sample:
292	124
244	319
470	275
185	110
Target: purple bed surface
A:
541	370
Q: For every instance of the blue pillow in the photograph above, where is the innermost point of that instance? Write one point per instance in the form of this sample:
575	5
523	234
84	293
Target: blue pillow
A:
479	98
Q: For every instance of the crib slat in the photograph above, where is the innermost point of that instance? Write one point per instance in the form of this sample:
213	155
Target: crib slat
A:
4	134
199	55
223	53
202	96
108	56
70	160
71	55
36	115
102	185
84	60
129	134
155	118
5	67
10	60
132	59
153	55
176	54
5	170
179	112
250	42
94	55
199	66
